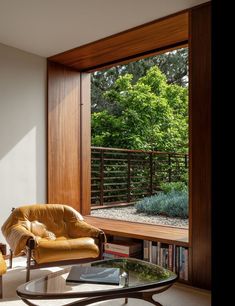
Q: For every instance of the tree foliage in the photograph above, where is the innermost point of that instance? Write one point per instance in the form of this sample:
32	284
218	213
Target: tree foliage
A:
173	64
148	114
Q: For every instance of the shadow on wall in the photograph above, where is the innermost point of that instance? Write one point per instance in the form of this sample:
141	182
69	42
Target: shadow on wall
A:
22	129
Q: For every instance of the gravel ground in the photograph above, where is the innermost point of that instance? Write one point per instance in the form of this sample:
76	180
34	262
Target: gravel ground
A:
129	213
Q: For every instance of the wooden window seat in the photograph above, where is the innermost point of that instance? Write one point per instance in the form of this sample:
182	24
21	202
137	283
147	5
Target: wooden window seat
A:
152	232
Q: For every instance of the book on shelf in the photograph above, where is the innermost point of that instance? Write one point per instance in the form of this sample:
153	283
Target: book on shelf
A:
170	257
112	255
147	245
123	247
154	253
181	262
186	264
99	275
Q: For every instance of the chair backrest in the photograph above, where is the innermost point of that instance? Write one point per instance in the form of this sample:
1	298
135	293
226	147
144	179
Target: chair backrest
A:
55	217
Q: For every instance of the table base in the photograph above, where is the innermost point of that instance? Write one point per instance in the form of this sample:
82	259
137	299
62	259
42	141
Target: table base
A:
146	295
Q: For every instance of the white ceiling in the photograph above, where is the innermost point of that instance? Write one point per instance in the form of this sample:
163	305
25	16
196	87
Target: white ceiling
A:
48	27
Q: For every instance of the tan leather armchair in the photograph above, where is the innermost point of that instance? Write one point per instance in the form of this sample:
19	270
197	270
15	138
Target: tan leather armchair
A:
52	235
3	267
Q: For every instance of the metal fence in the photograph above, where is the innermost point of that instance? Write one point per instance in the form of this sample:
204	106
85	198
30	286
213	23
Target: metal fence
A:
124	176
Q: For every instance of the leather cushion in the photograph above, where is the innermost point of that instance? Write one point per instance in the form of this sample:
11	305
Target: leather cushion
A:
65	249
54	216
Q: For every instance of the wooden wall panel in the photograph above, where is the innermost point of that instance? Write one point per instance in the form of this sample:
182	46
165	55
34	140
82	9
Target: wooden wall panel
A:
85	143
200	148
63	135
157	35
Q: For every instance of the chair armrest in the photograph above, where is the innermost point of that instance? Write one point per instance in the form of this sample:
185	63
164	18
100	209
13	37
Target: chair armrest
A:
82	229
31	243
3	248
17	238
3	266
101	242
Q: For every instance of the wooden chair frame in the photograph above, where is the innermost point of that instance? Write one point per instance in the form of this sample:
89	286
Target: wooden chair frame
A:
32	264
1	287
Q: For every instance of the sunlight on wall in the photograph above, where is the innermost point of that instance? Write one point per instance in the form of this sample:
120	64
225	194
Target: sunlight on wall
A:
22	130
18	169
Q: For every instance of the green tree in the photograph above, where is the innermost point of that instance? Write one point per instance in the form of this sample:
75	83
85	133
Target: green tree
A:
173	64
149	114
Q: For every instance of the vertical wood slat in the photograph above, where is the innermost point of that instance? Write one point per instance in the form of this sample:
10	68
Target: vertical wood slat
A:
129	177
169	170
63	135
85	148
200	137
151	173
101	177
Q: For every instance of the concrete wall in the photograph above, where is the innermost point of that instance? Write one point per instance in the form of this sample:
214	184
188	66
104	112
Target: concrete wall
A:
22	130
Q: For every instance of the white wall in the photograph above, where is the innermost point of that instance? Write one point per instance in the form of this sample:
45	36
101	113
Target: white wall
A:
22	130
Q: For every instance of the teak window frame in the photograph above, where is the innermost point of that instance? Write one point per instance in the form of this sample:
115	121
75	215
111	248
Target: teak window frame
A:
190	26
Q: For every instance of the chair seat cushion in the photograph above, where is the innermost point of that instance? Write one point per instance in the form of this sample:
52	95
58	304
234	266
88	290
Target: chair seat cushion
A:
64	249
3	266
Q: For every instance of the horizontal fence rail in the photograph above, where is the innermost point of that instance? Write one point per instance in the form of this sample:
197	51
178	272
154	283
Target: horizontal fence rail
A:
125	176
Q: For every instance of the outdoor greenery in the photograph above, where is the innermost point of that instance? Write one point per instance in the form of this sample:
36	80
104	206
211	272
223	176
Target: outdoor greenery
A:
173	186
173	64
144	106
171	202
142	110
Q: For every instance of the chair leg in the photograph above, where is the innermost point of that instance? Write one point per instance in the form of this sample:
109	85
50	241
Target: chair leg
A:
28	265
27	274
11	259
101	244
1	287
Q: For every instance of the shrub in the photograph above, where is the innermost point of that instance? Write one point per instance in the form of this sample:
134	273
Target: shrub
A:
184	178
172	204
173	186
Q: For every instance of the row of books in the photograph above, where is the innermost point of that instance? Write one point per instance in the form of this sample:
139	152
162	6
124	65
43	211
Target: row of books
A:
169	256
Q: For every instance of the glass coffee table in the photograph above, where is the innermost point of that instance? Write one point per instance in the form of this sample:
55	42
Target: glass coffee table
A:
138	279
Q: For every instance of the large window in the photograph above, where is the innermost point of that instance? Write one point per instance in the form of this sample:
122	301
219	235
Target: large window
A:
139	135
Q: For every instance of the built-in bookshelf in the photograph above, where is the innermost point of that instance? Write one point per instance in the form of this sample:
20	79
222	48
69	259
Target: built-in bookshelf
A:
169	256
166	245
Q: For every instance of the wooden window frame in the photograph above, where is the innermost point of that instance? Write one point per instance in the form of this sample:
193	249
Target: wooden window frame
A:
159	36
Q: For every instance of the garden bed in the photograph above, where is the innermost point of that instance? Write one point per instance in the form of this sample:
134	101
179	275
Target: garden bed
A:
128	213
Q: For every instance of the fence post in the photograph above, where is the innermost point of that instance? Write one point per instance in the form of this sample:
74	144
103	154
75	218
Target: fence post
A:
128	177
101	177
169	169
151	172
